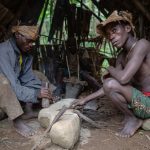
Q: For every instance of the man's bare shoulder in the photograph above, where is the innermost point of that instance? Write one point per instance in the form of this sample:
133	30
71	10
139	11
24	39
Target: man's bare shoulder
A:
142	47
143	43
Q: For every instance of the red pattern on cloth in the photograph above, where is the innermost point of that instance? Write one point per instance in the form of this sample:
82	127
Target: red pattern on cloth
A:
146	93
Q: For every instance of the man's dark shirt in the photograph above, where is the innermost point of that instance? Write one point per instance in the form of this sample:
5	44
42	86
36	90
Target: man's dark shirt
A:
23	82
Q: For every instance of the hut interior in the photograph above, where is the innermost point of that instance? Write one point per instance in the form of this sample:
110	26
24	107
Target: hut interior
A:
68	30
68	46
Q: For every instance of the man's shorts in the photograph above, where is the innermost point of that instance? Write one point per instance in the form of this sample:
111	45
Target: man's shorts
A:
140	104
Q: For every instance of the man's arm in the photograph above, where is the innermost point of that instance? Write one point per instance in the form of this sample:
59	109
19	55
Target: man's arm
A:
118	66
29	79
132	66
99	93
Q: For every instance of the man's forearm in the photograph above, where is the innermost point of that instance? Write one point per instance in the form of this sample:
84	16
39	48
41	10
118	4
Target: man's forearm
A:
119	75
99	93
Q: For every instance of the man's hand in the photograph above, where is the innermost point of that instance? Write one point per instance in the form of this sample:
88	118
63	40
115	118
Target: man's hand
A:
78	102
113	71
105	75
110	68
45	93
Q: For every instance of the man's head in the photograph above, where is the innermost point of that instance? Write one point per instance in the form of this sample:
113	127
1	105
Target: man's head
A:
25	36
117	28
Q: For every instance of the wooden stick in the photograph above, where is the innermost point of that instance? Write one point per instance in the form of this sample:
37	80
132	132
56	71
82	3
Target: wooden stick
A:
93	123
68	66
67	58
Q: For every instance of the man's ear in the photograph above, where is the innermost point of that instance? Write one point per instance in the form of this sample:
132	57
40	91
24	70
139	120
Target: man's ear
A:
128	28
17	35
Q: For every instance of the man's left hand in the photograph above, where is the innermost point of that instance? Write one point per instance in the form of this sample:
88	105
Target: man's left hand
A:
45	93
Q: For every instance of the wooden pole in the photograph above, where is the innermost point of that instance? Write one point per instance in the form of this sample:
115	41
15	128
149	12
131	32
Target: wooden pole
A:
44	13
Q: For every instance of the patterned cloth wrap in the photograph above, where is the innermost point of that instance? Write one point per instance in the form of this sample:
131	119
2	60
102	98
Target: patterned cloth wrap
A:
140	104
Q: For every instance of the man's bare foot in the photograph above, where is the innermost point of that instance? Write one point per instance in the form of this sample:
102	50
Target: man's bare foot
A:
22	128
29	115
125	120
130	127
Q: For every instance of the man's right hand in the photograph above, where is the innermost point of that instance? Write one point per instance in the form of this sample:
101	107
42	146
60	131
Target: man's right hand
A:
45	93
78	102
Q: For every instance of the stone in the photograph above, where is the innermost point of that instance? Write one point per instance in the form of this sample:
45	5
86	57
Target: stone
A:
66	131
47	115
146	124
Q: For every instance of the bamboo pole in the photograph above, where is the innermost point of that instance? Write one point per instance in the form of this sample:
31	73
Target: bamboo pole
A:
90	10
44	13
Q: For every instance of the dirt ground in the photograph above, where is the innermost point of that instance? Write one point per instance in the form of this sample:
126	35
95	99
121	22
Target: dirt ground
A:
90	138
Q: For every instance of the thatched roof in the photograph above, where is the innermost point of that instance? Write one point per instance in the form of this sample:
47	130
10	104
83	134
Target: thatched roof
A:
25	10
28	11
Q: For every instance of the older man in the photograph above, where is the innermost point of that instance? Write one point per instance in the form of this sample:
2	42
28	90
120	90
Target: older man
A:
17	80
129	85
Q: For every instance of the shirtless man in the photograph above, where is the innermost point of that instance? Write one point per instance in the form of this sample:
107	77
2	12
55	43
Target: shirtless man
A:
17	80
129	85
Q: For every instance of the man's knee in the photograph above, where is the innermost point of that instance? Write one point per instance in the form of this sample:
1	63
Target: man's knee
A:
110	84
